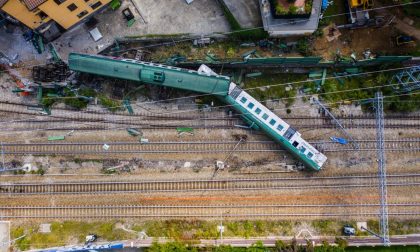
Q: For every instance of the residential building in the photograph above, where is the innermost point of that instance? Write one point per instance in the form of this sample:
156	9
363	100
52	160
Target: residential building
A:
51	17
290	24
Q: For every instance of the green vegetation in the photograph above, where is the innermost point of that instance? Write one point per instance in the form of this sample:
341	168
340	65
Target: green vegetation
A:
334	91
334	14
291	9
193	230
330	227
303	47
256	247
279	89
280	10
69	98
409	248
187	233
110	104
48	101
68	231
173	35
88	92
411	10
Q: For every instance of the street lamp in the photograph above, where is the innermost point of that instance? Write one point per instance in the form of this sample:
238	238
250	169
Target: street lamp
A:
221	228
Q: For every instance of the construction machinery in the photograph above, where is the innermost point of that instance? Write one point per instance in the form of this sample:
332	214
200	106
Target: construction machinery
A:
359	11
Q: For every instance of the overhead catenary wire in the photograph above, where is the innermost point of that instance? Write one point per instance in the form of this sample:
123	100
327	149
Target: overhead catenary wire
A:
227	106
242	30
281	84
298	96
122	128
251	88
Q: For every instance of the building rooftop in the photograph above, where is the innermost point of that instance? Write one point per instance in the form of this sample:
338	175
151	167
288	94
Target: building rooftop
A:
292	26
2	2
32	4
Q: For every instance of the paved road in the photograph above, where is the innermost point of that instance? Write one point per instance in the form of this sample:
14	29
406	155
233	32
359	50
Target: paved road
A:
270	241
4	235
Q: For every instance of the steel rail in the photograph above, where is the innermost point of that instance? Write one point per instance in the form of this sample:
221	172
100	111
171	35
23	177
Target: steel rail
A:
211	122
110	187
188	211
189	147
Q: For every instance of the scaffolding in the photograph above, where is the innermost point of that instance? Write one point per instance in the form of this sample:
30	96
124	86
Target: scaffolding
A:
407	80
338	124
380	147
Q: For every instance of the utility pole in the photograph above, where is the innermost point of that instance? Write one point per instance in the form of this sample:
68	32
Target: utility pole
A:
338	124
2	157
380	148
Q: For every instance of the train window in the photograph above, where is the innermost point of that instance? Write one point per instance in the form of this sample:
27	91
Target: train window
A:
295	143
158	76
257	111
302	149
272	122
243	99
310	155
265	116
250	105
289	133
280	127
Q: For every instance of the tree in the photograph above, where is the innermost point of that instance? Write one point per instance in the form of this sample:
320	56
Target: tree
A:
294	245
170	247
257	247
341	243
279	246
309	246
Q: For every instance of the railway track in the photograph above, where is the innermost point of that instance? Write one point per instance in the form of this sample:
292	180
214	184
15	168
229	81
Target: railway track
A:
205	211
292	183
68	119
80	148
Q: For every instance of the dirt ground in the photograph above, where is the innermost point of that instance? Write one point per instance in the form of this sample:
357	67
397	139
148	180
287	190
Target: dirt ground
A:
360	40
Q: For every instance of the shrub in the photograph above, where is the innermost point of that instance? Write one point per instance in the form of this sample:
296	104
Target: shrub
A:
48	102
88	92
308	7
77	103
251	34
280	10
303	47
293	9
109	103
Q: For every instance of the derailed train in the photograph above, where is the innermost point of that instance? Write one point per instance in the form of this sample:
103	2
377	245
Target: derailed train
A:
205	81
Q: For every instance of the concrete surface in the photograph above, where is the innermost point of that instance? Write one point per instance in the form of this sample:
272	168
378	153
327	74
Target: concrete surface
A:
247	12
4	236
152	17
288	27
13	44
45	228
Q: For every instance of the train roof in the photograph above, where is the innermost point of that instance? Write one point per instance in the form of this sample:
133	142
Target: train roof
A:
129	69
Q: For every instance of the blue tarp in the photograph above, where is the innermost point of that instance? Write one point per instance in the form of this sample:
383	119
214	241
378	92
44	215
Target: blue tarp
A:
339	140
324	4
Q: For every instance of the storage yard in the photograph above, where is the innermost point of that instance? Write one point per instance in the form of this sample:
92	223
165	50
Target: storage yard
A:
309	134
